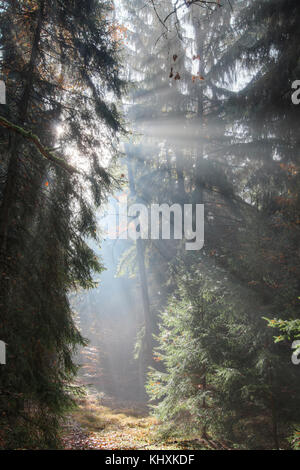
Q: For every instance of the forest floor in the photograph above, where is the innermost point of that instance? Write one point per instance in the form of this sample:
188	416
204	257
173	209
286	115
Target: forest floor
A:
94	426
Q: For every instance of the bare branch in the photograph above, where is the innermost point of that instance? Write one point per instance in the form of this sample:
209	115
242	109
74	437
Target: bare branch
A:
158	17
187	4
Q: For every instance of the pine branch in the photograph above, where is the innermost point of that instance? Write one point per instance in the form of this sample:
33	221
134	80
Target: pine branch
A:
36	141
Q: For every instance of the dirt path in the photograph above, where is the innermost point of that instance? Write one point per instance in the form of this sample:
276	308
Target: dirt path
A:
94	426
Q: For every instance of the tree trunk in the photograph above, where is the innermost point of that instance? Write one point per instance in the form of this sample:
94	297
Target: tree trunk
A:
199	34
146	356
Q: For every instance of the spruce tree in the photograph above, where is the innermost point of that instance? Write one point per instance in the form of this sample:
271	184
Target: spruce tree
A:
59	62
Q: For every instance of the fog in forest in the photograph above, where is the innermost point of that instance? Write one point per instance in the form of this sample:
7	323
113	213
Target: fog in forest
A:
194	139
189	112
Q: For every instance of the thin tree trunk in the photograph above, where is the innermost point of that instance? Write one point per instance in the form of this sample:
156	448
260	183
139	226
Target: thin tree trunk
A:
146	358
180	175
273	412
275	427
199	34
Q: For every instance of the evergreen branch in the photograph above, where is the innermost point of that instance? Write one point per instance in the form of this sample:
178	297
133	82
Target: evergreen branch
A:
36	141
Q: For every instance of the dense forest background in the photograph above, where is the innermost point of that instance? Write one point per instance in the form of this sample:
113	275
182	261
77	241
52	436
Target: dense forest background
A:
168	103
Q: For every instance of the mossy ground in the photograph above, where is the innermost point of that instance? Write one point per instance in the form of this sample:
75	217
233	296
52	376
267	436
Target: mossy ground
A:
95	426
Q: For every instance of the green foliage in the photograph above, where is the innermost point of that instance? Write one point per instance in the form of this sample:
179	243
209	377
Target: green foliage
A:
238	155
295	440
59	60
290	329
217	375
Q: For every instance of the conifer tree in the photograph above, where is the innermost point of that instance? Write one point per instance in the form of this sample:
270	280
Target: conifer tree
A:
60	59
256	187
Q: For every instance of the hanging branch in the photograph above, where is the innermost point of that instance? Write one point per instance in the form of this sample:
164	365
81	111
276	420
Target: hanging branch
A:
36	141
158	17
187	4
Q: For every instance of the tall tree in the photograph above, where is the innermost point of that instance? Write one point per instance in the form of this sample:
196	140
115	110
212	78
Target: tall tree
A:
250	191
59	61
